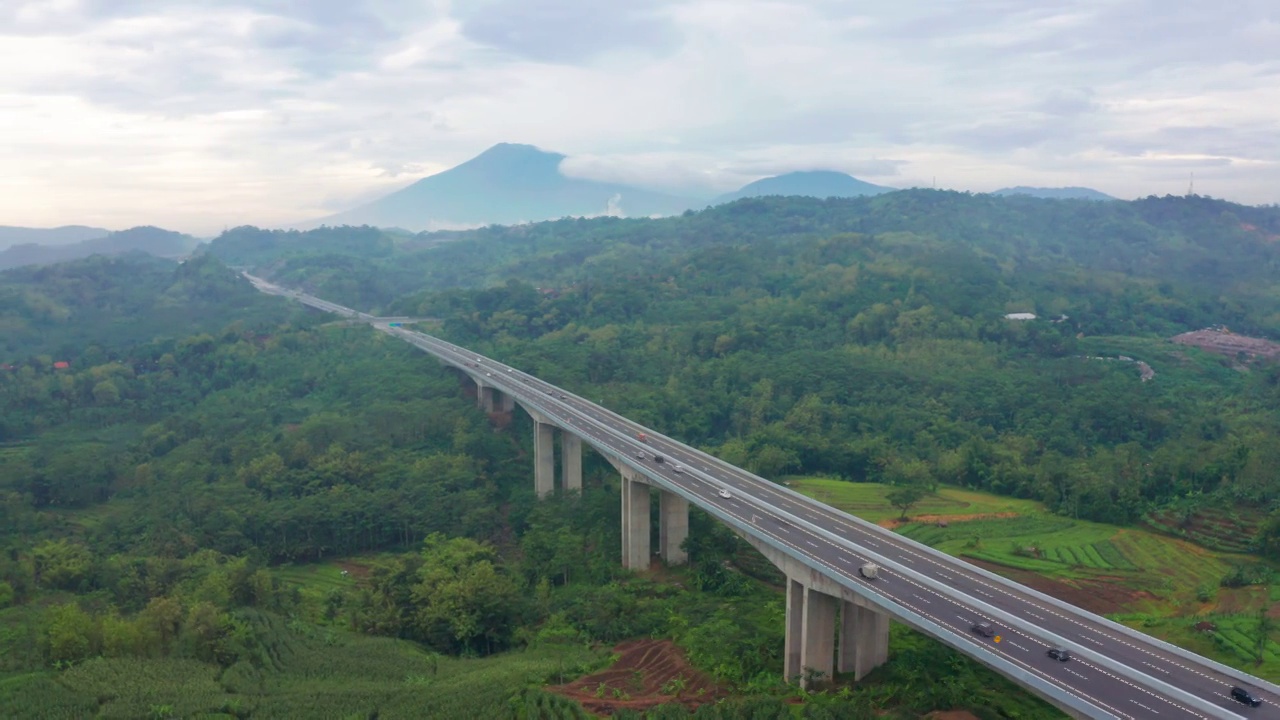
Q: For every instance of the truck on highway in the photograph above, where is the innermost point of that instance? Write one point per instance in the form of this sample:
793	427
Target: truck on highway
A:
869	571
642	437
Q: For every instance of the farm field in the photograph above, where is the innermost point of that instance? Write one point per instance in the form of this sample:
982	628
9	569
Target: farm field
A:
1154	582
339	675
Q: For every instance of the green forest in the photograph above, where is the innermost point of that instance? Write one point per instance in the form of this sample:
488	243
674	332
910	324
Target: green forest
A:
216	504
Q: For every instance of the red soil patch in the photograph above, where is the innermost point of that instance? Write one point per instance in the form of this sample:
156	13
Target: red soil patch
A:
637	681
1102	595
892	523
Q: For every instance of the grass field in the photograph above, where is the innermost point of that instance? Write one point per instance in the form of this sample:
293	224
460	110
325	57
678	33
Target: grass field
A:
342	676
1023	535
1164	585
867	500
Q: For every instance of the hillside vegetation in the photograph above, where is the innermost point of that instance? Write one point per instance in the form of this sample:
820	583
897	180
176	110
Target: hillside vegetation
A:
213	486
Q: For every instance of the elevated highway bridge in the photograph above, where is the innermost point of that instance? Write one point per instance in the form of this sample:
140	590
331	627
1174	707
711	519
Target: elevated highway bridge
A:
837	621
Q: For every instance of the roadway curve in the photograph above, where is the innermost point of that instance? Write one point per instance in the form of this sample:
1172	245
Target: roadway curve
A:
1124	674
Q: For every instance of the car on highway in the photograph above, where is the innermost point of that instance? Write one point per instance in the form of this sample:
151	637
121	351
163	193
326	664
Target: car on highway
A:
640	454
659	458
870	571
563	396
985	629
676	467
725	494
1060	654
510	370
1244	696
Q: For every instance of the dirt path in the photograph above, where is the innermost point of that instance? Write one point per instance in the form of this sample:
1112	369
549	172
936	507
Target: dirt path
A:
894	523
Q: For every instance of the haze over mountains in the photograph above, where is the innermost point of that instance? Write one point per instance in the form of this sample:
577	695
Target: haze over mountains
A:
151	240
507	184
1063	193
808	183
10	235
510	184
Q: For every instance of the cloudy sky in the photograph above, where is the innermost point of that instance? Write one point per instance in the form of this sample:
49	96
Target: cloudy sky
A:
195	115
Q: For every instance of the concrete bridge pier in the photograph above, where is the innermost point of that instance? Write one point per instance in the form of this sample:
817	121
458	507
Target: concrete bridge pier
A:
811	634
484	396
544	458
570	461
864	639
506	403
812	602
635	521
673	527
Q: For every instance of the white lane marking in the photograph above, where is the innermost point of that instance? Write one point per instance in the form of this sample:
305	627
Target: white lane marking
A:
1144	707
1018	646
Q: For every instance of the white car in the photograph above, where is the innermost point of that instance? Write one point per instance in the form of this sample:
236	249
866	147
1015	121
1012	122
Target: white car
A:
677	468
725	494
509	370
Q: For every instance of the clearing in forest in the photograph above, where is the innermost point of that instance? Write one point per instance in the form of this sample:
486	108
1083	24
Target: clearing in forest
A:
647	673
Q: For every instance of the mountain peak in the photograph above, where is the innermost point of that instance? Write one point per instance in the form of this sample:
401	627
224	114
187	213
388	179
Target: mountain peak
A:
1058	193
810	183
508	183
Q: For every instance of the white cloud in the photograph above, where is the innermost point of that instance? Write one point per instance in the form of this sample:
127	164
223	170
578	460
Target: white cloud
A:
194	116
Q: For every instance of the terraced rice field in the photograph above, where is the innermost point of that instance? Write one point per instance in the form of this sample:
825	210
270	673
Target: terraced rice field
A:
1021	534
867	500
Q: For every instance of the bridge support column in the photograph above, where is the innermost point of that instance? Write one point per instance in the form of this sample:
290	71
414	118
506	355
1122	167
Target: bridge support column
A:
571	461
635	523
484	397
673	527
791	656
864	639
818	644
544	459
506	403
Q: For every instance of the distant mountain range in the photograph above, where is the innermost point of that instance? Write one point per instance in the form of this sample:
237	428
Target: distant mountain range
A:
151	240
10	235
510	184
507	184
1065	193
811	183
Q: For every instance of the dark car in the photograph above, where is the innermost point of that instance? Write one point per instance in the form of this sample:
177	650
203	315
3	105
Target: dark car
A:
1244	696
1060	654
985	629
659	458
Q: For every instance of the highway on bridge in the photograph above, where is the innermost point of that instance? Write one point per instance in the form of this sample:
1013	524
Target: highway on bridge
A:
1123	673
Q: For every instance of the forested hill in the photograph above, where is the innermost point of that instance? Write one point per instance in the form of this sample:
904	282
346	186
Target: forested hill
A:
1211	259
116	302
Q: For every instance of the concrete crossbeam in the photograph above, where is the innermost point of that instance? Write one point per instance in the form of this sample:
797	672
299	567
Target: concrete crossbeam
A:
673	527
